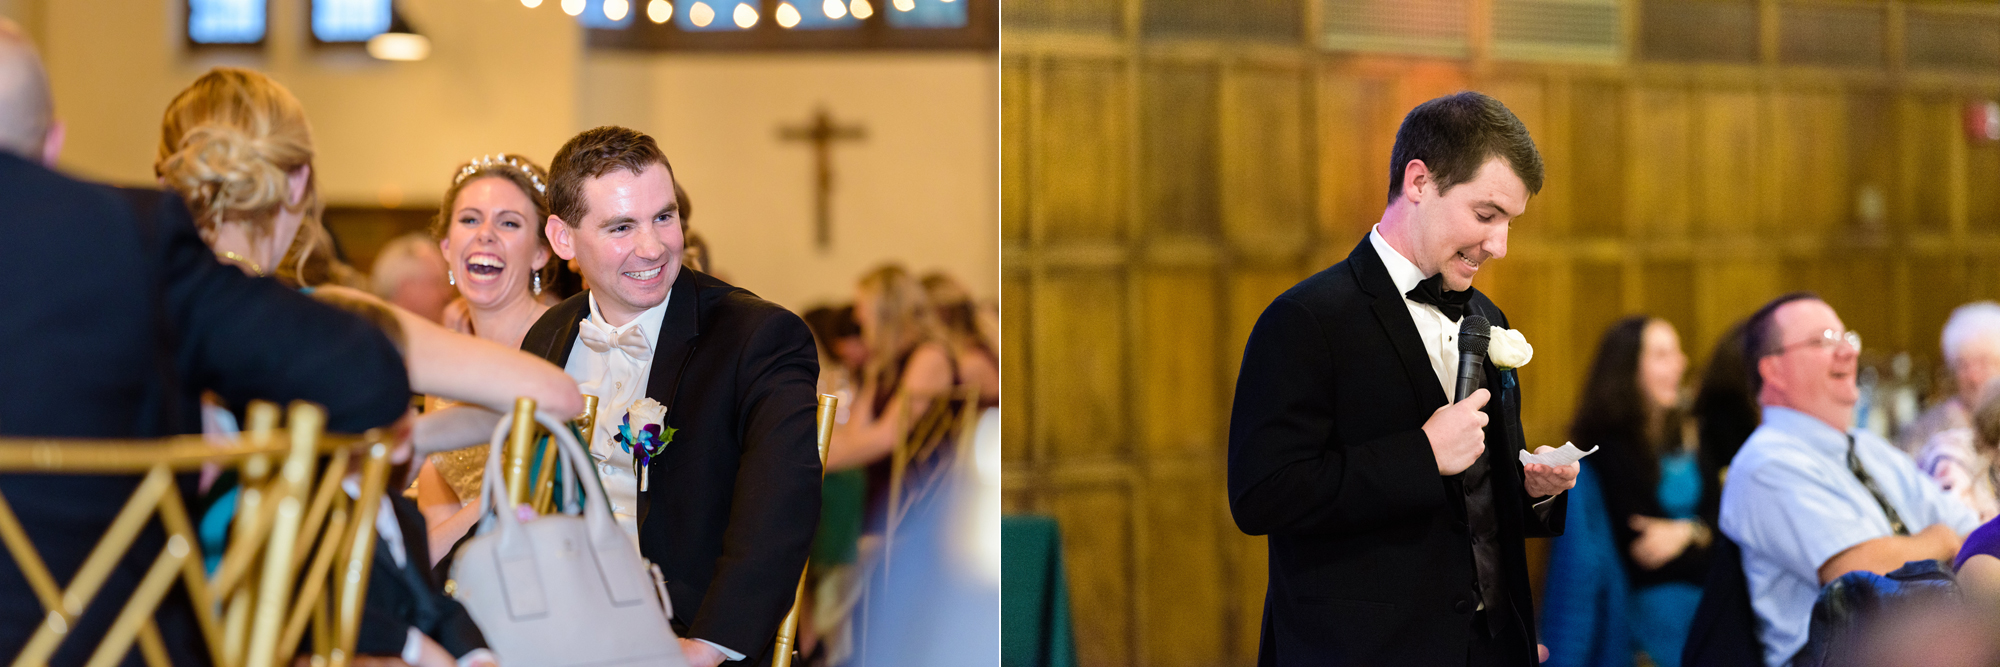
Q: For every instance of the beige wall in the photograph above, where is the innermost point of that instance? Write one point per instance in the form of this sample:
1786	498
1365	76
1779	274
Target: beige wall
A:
382	128
922	189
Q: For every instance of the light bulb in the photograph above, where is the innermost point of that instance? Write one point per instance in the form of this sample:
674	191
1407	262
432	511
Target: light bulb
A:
616	9
834	9
701	15
572	7
788	16
531	4
659	11
861	9
905	5
745	16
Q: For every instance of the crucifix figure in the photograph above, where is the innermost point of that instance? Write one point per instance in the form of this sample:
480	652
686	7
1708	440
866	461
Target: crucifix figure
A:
822	132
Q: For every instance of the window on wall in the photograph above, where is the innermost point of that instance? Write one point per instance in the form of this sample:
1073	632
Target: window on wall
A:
240	22
927	13
349	20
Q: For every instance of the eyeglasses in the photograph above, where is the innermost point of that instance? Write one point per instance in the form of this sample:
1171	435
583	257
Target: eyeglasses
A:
1826	339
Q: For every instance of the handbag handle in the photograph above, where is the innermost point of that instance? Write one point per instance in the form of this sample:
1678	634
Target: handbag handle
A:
604	530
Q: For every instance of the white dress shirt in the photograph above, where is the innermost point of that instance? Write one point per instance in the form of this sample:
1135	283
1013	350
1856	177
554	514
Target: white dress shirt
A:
1439	333
617	380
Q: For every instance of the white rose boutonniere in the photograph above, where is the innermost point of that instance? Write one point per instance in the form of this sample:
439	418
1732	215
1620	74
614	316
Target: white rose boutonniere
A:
647	411
644	434
1509	349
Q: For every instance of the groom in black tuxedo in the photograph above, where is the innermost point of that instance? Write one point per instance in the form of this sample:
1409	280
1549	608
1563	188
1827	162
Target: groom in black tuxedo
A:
728	510
1395	516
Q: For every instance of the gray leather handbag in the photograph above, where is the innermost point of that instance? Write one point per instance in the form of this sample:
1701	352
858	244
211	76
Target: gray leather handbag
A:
561	590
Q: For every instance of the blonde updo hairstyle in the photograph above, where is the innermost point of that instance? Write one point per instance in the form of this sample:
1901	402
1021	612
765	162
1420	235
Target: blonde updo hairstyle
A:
529	177
903	318
228	145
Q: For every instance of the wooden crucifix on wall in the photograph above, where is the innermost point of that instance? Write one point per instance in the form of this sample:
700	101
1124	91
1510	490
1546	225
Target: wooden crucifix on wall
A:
821	131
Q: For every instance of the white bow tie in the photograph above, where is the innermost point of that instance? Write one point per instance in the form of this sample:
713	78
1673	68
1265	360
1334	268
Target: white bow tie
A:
599	339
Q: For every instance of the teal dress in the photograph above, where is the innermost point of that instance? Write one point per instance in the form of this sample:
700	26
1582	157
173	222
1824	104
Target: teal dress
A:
1662	613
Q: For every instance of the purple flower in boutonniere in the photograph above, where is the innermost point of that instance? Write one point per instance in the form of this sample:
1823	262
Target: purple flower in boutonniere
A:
644	434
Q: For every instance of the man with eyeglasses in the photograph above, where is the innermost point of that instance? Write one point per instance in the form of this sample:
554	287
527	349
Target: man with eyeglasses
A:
1810	497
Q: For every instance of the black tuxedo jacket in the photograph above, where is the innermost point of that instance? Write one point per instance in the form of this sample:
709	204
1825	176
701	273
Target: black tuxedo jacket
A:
400	598
1370	552
733	502
114	316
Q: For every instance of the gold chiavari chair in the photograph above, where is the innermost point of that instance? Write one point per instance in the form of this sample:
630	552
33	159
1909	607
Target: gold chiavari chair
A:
545	476
788	631
254	611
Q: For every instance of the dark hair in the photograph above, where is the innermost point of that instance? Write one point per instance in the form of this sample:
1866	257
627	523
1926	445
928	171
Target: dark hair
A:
1760	335
1613	407
593	153
1725	410
1614	412
1454	135
831	323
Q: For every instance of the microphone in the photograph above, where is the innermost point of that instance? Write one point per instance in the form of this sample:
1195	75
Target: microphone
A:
1474	334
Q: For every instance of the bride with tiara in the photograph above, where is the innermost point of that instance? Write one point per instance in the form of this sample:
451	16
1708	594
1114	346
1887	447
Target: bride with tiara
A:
490	229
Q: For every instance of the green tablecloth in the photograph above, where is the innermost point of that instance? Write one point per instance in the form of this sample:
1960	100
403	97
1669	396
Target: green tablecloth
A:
1034	595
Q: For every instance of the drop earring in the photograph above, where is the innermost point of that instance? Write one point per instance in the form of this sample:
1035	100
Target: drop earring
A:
451	278
538	284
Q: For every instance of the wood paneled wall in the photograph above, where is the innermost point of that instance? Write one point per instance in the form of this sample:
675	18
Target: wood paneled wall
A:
1159	190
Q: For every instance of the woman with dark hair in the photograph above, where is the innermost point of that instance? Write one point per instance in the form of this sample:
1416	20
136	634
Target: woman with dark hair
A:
1653	485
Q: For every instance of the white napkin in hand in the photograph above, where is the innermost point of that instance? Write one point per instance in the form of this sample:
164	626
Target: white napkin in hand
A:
1559	457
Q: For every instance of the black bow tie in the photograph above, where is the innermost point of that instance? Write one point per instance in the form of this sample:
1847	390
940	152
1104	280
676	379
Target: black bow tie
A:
1432	291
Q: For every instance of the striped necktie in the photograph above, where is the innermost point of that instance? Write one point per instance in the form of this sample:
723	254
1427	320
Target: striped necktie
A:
1860	473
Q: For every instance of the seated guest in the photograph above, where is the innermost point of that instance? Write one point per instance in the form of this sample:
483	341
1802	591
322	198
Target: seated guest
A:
114	333
730	493
1652	484
410	273
1810	497
909	365
971	331
405	613
489	228
1962	460
1971	346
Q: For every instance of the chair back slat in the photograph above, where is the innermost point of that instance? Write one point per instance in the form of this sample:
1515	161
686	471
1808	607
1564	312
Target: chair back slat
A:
353	574
27	559
519	450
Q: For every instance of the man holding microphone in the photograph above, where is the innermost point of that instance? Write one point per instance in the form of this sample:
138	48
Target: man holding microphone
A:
1373	441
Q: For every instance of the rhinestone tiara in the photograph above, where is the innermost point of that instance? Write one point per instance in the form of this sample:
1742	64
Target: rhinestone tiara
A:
485	162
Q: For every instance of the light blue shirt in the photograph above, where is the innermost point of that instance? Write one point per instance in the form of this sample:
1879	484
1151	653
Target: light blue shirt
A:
1792	503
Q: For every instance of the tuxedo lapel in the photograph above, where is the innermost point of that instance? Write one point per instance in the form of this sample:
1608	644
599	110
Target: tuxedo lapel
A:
571	312
1394	316
679	331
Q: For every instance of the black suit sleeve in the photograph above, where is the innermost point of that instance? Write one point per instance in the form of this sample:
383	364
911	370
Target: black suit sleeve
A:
253	338
775	509
1287	472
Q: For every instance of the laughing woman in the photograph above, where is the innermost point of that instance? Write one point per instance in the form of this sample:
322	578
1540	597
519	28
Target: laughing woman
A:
490	229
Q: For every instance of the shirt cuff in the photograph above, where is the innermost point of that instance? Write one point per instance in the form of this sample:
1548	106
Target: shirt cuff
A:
413	646
726	653
475	655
